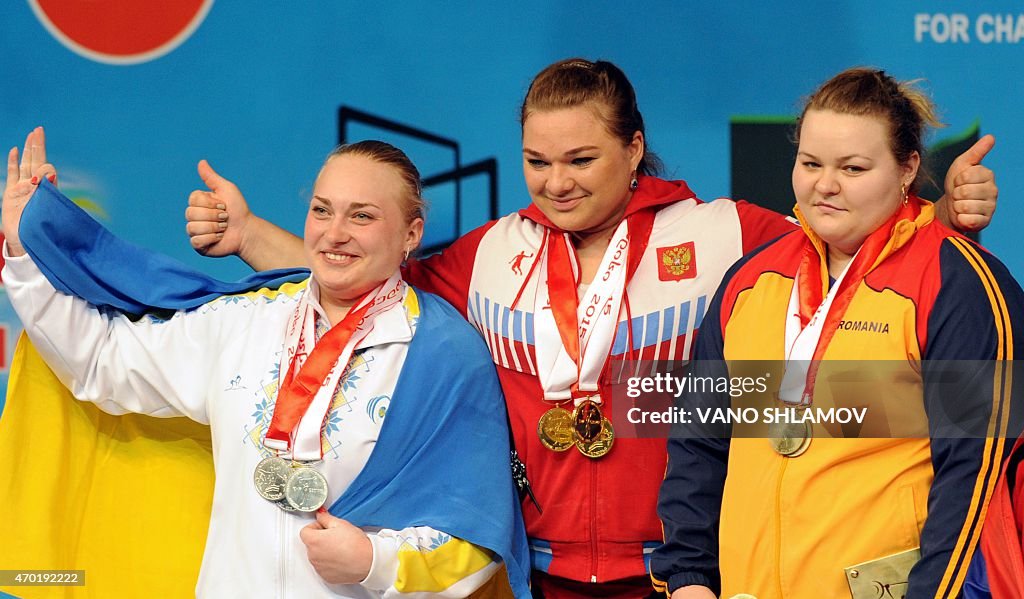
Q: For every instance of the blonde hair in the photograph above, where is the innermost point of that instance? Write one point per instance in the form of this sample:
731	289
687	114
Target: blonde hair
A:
385	153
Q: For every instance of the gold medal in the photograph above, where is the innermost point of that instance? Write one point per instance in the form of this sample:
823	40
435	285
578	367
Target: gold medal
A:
555	429
587	422
601	444
790	439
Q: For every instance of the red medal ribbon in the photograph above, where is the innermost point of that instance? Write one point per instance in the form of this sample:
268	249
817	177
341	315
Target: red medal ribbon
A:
814	283
562	284
562	292
298	390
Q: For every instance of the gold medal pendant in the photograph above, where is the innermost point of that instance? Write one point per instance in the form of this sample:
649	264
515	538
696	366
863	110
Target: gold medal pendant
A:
790	439
586	421
555	429
602	444
592	432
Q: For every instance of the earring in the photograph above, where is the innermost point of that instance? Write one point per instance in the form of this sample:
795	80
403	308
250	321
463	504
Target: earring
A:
633	183
903	192
406	256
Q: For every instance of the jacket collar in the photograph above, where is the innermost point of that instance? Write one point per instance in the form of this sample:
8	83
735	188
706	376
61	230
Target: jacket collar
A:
901	227
394	325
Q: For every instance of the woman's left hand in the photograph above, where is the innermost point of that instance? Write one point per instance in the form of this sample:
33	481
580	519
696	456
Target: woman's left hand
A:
970	188
339	552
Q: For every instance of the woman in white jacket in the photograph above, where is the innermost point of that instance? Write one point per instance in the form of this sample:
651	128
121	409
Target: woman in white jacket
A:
314	496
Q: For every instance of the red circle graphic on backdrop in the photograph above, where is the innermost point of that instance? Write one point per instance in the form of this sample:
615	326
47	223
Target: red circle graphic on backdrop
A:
121	31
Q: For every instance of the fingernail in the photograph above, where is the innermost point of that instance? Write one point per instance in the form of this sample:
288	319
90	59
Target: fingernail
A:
222	226
221	207
52	178
222	216
35	180
322	510
220	235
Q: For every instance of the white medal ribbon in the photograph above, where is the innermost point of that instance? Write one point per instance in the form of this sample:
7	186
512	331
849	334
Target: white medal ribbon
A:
300	337
596	319
801	343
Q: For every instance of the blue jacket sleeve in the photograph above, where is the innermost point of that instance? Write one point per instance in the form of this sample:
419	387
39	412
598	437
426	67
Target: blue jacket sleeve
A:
973	403
690	500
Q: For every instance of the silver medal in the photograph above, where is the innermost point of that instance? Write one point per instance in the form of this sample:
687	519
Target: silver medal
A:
270	478
306	489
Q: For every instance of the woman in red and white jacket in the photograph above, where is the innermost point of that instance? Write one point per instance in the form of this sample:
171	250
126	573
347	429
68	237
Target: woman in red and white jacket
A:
601	230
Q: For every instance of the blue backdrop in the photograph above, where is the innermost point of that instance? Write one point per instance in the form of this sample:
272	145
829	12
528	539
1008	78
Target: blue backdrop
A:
256	88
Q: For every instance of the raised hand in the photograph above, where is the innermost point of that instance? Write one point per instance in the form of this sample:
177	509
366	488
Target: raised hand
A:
22	180
217	216
221	224
339	552
970	188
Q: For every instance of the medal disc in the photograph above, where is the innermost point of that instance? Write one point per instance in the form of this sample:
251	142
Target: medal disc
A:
602	444
284	505
587	422
555	429
306	490
790	439
270	477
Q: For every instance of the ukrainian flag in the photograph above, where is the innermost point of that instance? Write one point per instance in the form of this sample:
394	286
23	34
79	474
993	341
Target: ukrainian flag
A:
125	498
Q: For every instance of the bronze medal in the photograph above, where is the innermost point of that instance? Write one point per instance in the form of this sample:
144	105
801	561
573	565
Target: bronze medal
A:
601	444
790	439
555	429
587	422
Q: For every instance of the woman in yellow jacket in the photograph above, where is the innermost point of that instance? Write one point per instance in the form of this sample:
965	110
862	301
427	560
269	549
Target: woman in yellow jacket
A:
867	307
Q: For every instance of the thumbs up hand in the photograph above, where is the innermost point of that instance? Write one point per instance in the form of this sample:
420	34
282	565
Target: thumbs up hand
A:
970	188
216	217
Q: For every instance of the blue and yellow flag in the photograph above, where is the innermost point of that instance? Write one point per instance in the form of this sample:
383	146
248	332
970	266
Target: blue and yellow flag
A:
125	498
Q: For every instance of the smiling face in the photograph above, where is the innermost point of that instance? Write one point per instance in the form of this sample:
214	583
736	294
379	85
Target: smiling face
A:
577	173
357	232
846	178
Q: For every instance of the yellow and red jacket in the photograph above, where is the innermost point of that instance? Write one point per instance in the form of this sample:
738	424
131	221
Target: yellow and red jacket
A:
787	527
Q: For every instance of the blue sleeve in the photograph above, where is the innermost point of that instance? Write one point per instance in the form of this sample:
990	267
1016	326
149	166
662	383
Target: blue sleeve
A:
974	331
690	500
976	584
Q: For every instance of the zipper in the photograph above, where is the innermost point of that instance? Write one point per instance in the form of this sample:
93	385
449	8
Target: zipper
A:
778	524
593	519
283	546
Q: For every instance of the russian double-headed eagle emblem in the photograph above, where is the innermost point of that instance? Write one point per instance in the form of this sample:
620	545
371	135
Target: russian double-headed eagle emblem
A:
677	262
